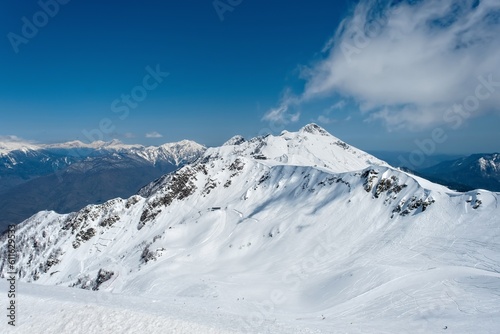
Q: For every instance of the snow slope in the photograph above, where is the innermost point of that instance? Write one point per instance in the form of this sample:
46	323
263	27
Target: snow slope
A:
311	146
297	233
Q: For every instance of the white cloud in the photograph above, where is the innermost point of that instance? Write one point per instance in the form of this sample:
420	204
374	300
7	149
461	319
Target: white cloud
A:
129	135
339	105
14	139
153	134
407	65
10	138
284	113
325	119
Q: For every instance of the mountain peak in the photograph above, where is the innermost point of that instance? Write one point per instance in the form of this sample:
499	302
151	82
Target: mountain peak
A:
182	144
315	129
236	140
114	142
311	146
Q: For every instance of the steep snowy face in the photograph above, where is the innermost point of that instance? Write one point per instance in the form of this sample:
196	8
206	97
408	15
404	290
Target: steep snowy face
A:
290	213
310	146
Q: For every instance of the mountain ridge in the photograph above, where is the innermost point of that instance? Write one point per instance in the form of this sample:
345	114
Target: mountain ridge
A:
300	214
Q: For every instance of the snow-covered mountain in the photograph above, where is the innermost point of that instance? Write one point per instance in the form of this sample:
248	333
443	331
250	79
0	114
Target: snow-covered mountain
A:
297	233
33	179
14	143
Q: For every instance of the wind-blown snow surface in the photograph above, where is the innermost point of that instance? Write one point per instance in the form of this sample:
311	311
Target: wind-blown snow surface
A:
298	233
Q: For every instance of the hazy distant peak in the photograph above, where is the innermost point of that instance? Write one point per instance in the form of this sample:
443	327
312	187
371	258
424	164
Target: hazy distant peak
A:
14	143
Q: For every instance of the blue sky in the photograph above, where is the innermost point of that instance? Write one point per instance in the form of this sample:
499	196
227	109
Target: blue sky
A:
247	69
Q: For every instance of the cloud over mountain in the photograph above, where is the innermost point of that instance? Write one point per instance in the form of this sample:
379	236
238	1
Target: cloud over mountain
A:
409	64
154	134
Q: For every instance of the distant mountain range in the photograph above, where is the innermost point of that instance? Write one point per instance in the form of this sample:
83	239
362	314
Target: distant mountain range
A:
467	173
66	177
400	158
462	173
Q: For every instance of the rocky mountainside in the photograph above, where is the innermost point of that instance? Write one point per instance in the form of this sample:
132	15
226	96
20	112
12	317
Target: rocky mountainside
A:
299	229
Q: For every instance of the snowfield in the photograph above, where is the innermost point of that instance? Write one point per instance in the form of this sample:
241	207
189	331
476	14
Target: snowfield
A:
297	233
